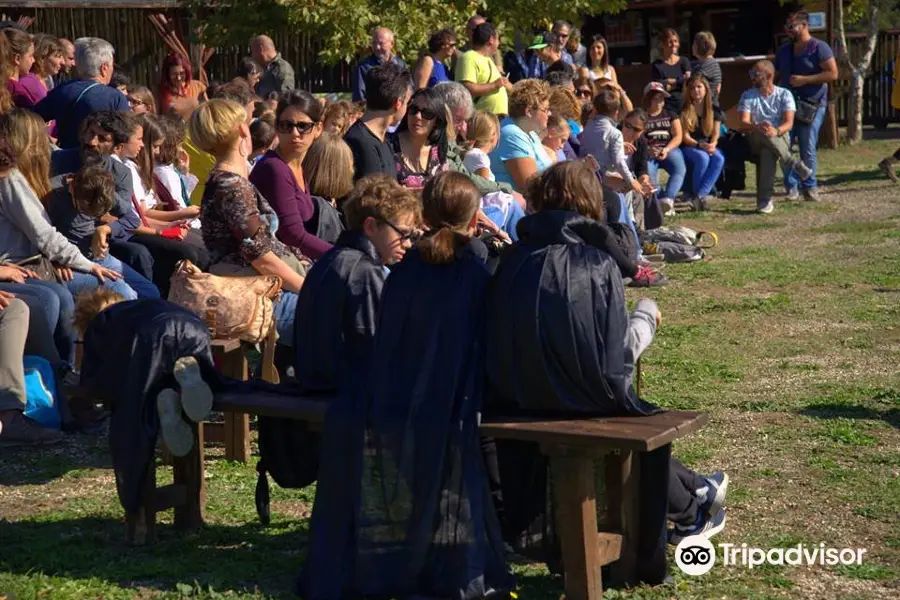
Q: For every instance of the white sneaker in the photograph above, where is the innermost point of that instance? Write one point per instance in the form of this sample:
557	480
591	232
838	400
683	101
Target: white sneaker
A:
668	206
766	207
175	432
196	396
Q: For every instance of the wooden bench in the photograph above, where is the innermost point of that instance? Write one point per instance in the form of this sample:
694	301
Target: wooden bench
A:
572	445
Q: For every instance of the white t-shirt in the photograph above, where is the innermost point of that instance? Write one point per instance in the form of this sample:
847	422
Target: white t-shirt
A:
476	159
141	194
170	178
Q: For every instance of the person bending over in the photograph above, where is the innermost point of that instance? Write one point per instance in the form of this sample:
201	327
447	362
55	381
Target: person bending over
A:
569	350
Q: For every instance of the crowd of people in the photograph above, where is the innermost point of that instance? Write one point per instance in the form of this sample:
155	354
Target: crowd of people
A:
442	241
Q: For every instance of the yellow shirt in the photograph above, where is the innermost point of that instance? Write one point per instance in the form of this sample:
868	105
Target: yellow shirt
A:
201	165
475	67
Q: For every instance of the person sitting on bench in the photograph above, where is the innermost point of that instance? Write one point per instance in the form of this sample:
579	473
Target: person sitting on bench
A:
560	343
337	308
136	354
413	517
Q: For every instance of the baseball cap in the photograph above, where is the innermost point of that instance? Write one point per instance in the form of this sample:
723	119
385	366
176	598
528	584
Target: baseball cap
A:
655	86
543	40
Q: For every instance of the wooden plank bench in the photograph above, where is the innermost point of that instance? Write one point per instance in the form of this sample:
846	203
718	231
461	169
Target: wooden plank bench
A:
573	446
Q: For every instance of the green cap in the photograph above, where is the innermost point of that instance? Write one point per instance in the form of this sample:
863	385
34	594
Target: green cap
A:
538	43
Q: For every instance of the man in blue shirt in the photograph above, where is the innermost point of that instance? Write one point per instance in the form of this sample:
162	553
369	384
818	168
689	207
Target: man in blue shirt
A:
805	66
767	117
70	103
382	52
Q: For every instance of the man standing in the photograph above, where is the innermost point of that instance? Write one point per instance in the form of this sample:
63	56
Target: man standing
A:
805	66
389	88
549	49
70	103
563	30
477	71
65	73
382	52
278	74
767	116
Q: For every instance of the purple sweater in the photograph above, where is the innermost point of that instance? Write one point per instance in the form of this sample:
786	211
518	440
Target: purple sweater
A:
27	91
295	208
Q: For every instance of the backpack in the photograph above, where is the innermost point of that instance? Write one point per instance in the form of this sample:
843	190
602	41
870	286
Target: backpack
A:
326	222
289	452
678	244
41	394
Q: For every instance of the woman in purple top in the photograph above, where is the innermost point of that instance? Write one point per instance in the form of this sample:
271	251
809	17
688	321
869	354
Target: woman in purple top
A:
279	176
25	88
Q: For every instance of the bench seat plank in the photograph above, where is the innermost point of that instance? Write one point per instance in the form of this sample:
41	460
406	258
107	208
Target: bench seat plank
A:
639	434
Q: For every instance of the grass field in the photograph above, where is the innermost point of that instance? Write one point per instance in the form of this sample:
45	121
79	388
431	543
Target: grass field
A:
789	336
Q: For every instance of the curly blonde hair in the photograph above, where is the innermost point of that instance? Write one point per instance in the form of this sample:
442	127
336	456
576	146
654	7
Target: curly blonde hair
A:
528	93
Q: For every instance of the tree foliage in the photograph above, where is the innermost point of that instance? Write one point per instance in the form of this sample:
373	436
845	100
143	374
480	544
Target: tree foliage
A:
343	27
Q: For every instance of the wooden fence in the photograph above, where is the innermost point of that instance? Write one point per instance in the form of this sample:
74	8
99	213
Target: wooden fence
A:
879	83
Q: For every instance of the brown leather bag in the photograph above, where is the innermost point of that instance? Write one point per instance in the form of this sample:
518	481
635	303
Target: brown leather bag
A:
232	307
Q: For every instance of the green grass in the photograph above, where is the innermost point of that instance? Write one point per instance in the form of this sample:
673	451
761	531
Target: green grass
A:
788	335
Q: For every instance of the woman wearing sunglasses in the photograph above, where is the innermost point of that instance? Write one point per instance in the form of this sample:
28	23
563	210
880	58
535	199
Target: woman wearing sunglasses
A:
420	143
279	174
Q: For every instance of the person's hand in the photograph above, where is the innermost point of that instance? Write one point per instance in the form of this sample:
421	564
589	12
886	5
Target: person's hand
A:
710	148
102	274
192	211
64	273
5	299
485	223
670	83
658	318
100	243
630	148
663	154
768	130
504	83
8	273
799	80
647	185
637	187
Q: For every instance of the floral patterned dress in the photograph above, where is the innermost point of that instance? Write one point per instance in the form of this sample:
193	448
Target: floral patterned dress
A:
409	176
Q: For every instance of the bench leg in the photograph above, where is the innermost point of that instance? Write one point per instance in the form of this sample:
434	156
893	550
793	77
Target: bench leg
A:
189	472
141	525
623	483
237	425
575	495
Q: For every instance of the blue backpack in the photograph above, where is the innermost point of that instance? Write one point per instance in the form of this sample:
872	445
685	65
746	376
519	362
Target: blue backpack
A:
41	393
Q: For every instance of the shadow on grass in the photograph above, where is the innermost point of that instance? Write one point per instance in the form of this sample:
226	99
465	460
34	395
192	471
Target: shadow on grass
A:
852	411
37	465
243	558
853	177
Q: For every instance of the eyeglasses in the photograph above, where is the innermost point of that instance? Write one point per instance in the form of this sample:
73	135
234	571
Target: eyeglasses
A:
583	93
634	128
428	115
135	101
412	235
544	109
302	127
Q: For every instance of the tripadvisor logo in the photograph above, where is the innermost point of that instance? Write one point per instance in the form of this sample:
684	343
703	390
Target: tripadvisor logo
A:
696	555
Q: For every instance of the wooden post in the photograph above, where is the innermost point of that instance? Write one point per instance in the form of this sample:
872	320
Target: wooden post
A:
576	519
141	525
237	425
622	484
189	472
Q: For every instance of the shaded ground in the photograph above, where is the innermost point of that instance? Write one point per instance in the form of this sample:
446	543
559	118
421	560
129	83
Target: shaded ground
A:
788	336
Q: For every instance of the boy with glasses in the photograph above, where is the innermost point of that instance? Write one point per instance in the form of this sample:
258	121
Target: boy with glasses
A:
337	307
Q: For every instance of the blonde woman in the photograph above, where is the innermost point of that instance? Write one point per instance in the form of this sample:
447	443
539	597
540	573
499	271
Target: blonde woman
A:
238	224
483	133
701	122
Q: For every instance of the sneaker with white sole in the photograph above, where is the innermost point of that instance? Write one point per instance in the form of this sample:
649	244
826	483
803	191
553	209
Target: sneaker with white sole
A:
176	433
802	171
765	207
705	526
196	396
793	195
712	495
811	195
22	431
667	205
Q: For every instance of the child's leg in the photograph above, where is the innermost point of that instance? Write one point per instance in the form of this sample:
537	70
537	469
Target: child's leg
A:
641	327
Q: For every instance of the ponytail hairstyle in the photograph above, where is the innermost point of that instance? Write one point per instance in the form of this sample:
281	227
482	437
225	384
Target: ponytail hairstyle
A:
449	203
154	131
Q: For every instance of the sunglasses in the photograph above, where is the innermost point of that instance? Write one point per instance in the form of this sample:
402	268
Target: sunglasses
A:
412	236
428	115
583	93
303	127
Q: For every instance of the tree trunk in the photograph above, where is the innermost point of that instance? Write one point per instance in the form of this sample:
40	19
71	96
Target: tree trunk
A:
855	107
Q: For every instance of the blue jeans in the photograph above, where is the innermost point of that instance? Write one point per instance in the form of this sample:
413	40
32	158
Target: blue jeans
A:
807	138
86	282
56	305
674	166
705	169
285	310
